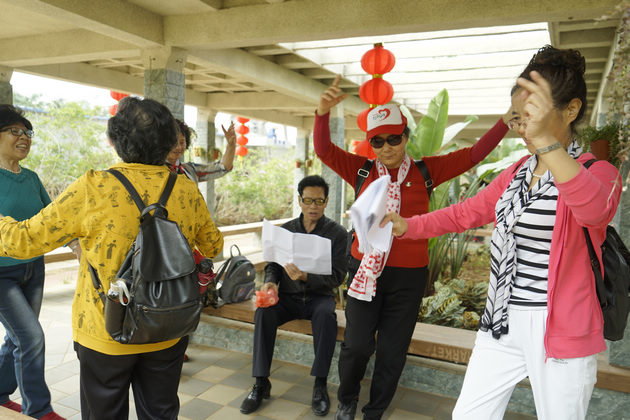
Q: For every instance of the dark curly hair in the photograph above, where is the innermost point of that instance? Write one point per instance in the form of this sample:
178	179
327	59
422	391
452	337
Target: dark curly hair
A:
10	115
142	131
564	70
313	181
186	131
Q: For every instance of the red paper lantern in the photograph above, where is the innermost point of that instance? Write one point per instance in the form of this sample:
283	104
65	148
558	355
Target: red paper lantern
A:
113	109
376	91
242	120
241	151
242	129
241	140
378	60
364	148
117	95
362	119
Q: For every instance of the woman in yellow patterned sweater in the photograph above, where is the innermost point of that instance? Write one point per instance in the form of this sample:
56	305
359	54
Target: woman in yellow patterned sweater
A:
98	210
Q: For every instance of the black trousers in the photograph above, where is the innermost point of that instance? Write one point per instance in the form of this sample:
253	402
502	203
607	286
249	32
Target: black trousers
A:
320	310
392	316
154	377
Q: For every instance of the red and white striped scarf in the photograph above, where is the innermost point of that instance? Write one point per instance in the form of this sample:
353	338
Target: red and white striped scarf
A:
363	286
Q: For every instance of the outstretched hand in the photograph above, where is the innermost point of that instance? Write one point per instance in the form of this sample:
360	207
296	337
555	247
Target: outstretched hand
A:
331	97
399	223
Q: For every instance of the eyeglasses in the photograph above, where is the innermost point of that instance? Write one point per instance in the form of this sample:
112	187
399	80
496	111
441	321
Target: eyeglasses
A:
17	132
393	140
517	123
317	201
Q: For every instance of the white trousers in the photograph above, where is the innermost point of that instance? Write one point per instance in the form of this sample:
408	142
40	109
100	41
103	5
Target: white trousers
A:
562	388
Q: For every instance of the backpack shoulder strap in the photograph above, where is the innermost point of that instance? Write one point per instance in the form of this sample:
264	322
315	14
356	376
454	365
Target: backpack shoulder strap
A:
168	188
589	162
362	175
132	191
595	265
424	170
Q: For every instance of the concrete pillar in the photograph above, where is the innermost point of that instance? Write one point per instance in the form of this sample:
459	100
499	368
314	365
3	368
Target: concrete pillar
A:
6	90
206	139
164	77
301	156
337	131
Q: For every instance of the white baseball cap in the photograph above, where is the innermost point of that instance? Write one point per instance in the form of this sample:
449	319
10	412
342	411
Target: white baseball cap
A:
385	119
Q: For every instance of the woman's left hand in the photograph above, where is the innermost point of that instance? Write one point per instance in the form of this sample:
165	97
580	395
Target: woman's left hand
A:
399	223
539	110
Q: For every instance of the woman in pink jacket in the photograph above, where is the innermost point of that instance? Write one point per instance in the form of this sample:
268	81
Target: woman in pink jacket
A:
542	318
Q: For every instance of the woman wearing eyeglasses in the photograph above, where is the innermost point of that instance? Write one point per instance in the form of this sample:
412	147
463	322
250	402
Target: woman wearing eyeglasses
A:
386	290
542	318
22	195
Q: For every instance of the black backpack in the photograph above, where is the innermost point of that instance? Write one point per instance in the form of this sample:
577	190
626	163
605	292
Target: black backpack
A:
155	296
235	279
362	174
613	289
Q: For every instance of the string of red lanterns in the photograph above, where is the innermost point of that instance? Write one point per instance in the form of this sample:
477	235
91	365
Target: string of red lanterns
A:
117	96
241	140
374	92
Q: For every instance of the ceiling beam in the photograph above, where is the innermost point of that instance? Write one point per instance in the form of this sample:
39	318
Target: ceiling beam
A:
102	78
264	24
254	100
214	4
268	75
62	47
117	19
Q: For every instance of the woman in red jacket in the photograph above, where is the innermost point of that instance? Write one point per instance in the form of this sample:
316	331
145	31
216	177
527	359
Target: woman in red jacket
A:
387	288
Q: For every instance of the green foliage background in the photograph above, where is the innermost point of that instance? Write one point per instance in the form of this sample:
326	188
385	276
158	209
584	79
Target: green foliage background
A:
260	185
69	140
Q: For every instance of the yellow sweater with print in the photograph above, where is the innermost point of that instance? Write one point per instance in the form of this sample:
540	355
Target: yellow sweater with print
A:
98	210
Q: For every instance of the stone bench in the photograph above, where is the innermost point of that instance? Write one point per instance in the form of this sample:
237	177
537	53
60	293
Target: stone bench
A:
435	342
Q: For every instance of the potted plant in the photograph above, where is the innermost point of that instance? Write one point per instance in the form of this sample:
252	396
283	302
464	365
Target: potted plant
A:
603	142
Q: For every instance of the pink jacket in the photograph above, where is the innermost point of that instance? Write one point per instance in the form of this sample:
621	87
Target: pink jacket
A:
590	199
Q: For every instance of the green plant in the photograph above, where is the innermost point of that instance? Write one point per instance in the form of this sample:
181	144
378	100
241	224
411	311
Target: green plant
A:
456	303
261	185
69	140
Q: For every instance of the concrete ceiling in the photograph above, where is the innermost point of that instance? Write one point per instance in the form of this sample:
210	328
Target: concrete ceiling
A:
250	57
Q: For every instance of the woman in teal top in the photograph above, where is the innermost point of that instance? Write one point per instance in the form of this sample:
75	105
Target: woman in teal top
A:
22	195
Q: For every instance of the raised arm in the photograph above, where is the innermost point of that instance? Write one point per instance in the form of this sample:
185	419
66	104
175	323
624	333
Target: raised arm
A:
230	149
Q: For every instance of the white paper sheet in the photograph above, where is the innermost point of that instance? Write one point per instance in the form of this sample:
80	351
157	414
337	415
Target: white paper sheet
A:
310	253
366	214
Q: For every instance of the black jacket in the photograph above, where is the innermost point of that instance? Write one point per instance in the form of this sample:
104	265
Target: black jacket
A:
316	284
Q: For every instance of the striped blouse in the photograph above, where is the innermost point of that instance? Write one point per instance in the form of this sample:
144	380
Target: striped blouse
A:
533	241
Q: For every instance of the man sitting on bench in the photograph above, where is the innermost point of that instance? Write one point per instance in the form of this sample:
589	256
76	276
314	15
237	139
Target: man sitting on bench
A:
302	296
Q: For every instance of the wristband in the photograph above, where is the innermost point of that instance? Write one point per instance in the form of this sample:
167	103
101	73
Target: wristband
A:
549	148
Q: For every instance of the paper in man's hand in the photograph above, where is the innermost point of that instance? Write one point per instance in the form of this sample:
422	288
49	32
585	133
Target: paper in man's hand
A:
310	253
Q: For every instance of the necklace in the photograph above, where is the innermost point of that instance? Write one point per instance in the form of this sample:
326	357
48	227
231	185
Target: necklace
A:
11	170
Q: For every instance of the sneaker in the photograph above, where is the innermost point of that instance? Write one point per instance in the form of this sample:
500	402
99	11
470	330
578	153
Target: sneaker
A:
12	405
52	416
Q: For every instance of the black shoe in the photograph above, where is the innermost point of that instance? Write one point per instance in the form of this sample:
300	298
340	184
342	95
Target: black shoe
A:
255	397
321	401
346	411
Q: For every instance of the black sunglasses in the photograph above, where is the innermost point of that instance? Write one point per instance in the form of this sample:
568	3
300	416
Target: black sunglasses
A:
393	140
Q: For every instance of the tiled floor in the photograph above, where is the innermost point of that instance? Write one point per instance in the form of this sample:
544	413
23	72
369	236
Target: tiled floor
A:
214	381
